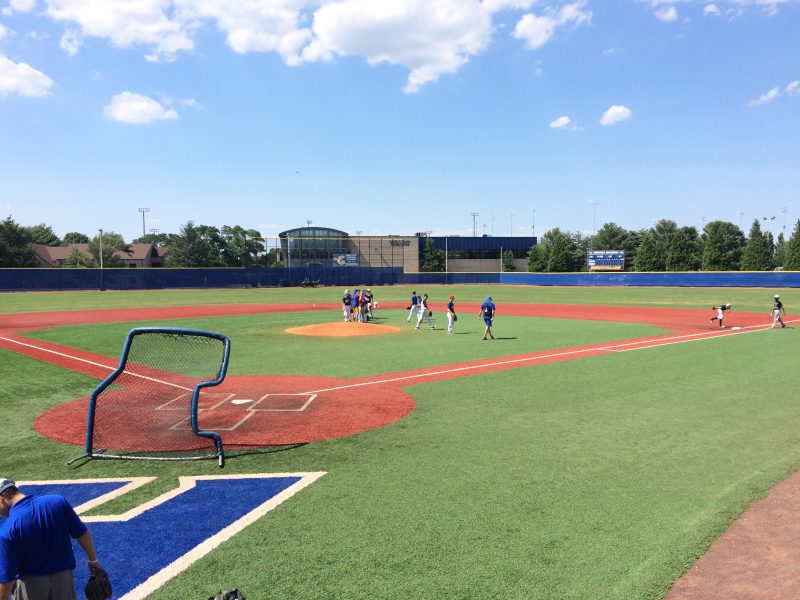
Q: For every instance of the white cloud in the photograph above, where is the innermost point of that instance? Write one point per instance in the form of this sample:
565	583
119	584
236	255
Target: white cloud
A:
498	5
611	51
153	23
537	30
22	79
429	37
560	122
3	31
19	6
793	89
615	114
136	109
712	9
71	42
667	14
766	97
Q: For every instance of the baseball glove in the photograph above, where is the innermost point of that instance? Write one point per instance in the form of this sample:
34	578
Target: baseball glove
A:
455	318
233	594
99	586
408	307
430	313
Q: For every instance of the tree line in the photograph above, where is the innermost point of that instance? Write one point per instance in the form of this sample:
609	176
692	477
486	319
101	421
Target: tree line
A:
720	246
193	246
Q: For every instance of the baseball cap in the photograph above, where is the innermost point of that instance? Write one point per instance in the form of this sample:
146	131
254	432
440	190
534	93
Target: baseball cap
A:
776	295
452	297
488	297
347	291
5	484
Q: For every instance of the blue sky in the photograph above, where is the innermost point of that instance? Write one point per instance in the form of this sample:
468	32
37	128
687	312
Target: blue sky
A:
398	116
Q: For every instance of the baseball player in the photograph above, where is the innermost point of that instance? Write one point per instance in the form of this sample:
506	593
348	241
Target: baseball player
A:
777	309
424	312
720	312
413	308
451	313
347	306
487	312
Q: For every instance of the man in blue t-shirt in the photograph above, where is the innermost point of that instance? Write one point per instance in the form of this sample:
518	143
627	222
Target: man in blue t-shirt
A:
487	312
36	545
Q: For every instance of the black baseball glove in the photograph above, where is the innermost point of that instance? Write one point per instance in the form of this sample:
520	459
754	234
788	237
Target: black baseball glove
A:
99	586
430	313
455	318
408	307
233	594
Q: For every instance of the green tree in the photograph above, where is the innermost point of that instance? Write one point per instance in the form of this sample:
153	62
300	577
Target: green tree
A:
610	237
240	246
757	254
77	259
537	259
791	261
432	257
780	251
112	242
663	232
43	234
157	239
723	247
15	245
74	237
508	261
684	252
195	246
561	257
647	258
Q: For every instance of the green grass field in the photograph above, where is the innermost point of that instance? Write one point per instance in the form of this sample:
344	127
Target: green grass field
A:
601	477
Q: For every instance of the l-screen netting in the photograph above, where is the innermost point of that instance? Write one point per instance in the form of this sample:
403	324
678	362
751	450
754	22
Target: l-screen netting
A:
147	409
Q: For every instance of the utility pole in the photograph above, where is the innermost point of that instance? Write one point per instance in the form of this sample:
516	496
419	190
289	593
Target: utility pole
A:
474	224
533	222
595	204
143	211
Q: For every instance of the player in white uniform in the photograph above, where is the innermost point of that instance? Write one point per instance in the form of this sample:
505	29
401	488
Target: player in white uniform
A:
424	312
720	312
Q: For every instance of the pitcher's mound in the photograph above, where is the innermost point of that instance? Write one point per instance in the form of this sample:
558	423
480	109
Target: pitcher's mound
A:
343	329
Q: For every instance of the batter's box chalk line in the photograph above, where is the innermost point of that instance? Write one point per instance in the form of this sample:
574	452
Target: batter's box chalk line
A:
270	402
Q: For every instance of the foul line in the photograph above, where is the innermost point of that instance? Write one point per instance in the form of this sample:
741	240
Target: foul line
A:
96	364
666	341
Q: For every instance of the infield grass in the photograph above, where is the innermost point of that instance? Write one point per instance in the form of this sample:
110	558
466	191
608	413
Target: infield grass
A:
602	477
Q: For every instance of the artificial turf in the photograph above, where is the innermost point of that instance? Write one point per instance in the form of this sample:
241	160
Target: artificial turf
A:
603	477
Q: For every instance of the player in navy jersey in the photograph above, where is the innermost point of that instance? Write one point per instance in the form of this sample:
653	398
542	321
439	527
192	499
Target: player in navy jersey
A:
451	313
412	308
777	309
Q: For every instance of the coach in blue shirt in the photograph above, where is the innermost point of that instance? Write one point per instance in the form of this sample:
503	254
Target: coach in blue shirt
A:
487	312
36	545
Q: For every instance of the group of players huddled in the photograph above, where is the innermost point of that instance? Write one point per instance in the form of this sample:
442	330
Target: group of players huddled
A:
357	307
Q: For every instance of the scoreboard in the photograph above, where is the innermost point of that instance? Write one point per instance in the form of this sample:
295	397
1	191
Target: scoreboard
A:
606	260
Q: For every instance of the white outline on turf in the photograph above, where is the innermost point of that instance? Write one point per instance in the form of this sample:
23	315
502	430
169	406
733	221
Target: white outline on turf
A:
185	483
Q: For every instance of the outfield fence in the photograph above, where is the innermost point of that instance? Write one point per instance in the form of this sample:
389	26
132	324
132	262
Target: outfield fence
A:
143	279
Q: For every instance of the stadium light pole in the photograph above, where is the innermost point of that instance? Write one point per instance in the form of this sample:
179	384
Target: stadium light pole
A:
511	225
143	211
533	222
474	224
595	203
102	287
